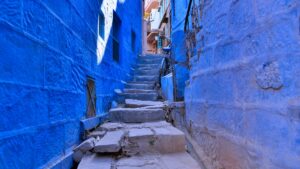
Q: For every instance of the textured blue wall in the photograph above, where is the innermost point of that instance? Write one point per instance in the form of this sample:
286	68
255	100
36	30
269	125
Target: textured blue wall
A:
179	9
242	102
47	49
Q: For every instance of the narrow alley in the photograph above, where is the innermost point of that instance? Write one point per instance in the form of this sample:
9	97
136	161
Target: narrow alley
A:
137	135
150	84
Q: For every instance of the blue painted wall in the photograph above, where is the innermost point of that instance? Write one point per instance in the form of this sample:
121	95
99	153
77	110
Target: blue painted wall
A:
242	102
179	9
47	50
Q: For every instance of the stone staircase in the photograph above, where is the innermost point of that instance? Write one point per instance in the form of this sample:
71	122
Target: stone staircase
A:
137	135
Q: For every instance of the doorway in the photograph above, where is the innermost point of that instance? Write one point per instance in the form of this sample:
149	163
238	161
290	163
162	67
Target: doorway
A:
91	98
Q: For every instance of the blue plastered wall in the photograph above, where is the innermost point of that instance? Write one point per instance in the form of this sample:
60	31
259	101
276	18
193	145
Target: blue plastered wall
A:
242	101
47	50
179	9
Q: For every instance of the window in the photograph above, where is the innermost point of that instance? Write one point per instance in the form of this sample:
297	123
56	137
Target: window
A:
115	37
133	40
91	98
101	24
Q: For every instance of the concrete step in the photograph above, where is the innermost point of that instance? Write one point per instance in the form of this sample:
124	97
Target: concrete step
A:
130	103
141	96
110	143
143	86
136	115
145	78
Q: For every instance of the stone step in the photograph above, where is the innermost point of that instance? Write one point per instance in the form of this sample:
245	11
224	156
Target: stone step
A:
94	161
141	96
151	65
145	78
143	82
147	161
147	68
151	57
136	115
139	86
149	61
158	161
146	72
162	140
130	103
139	91
169	140
110	143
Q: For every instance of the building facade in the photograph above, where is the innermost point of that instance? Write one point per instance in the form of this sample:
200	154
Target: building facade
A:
60	63
242	96
157	18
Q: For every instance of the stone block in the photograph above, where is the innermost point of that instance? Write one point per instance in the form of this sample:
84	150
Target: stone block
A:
110	143
139	140
86	145
169	140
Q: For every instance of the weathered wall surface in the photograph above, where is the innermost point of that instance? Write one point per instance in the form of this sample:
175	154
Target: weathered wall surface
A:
48	48
243	99
179	9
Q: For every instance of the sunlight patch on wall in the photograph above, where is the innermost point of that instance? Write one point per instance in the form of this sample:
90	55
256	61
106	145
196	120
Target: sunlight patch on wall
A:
107	7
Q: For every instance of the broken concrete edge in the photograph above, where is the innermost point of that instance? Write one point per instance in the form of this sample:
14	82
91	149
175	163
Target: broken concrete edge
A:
90	123
86	145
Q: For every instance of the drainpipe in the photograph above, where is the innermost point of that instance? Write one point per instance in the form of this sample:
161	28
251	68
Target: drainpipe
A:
187	15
